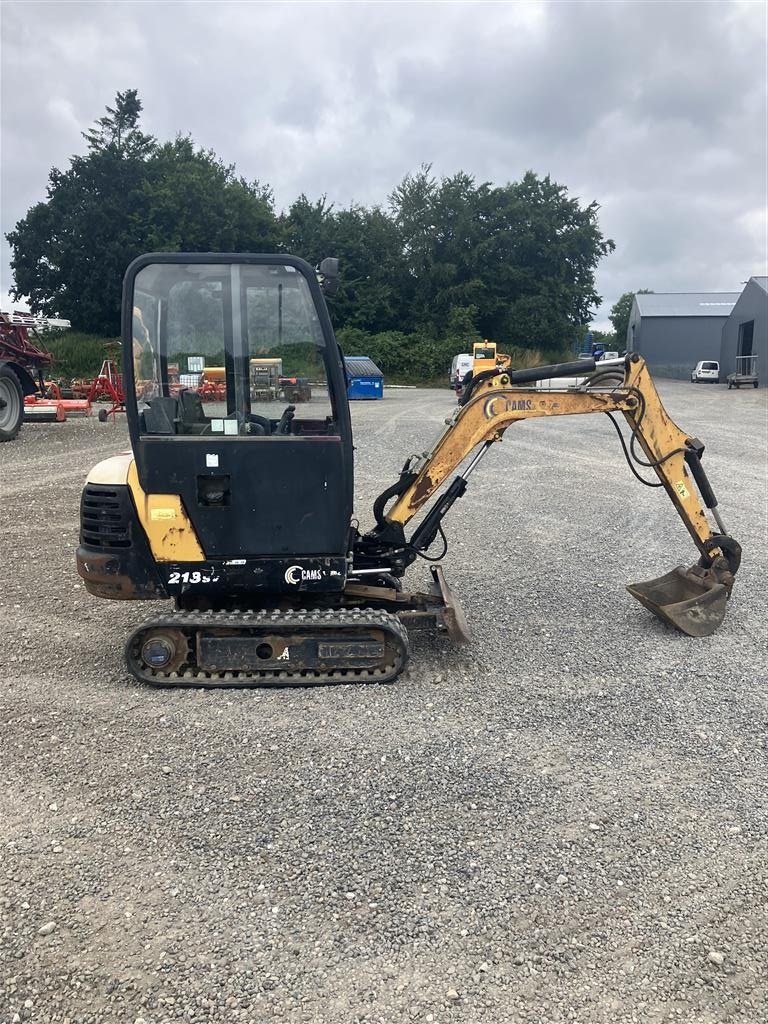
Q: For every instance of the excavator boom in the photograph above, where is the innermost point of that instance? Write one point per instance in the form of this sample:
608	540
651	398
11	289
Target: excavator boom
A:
693	600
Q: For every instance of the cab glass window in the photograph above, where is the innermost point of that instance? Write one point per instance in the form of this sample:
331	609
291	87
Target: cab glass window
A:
229	350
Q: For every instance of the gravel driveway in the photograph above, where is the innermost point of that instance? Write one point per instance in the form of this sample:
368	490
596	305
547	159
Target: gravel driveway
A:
565	821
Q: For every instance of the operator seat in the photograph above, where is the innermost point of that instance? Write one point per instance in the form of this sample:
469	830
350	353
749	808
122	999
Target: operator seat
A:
161	415
192	411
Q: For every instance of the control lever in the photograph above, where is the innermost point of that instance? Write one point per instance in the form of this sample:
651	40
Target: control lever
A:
284	423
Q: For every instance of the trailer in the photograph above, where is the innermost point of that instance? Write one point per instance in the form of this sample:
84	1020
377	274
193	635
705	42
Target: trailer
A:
745	373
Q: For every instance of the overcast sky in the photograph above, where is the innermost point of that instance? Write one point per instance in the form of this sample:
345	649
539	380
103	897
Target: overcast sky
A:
655	110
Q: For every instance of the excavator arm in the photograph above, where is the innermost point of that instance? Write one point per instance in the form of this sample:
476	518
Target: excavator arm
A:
692	599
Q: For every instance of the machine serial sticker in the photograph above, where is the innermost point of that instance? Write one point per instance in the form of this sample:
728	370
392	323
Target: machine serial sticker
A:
163	513
681	489
195	576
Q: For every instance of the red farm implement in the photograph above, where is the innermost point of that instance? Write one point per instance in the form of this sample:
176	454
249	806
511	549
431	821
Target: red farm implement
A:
24	362
108	387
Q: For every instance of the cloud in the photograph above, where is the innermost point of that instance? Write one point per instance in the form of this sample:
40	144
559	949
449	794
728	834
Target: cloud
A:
658	112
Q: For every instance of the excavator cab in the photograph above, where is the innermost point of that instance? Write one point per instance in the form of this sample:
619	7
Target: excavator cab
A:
266	485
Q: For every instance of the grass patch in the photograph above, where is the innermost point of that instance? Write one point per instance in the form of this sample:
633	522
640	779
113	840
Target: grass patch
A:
76	354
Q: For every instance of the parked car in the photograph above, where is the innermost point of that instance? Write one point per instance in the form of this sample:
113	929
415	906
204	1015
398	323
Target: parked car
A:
461	365
706	371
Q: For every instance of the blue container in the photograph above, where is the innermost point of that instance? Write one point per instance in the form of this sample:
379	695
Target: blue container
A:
365	378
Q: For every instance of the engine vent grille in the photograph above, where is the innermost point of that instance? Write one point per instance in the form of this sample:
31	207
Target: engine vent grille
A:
104	517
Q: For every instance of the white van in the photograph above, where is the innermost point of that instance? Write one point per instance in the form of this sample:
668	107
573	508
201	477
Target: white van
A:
706	370
460	367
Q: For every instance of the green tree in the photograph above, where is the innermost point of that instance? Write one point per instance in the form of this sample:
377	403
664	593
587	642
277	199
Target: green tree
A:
69	253
461	328
538	261
607	339
448	260
307	228
440	225
192	202
126	196
524	255
621	312
118	131
366	243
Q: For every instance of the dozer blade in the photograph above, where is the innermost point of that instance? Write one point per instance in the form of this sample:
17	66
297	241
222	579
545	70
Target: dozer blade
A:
685	600
451	614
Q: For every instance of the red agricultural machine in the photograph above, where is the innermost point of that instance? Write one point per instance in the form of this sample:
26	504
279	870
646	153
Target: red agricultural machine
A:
24	392
106	386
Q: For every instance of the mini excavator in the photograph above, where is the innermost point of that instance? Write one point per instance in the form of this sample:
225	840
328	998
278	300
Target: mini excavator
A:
242	513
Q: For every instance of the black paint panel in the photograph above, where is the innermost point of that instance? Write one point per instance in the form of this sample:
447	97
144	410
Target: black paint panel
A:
220	580
287	496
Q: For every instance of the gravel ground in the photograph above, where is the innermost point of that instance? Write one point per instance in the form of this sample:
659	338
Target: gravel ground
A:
565	821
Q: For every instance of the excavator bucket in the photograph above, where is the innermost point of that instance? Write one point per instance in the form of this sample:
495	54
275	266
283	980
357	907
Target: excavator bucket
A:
690	603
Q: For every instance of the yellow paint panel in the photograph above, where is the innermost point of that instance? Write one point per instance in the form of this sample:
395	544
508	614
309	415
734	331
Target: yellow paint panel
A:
171	536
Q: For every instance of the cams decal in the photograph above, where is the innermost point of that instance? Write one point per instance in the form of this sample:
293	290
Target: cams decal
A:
496	405
294	574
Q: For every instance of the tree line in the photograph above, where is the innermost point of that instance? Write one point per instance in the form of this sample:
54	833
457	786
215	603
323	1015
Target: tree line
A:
445	260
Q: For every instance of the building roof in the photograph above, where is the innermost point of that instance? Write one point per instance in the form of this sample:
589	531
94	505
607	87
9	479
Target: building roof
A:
686	303
762	281
361	366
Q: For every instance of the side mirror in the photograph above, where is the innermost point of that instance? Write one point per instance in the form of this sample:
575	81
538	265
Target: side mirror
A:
328	275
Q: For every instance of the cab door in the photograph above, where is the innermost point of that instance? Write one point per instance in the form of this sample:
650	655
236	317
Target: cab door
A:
214	346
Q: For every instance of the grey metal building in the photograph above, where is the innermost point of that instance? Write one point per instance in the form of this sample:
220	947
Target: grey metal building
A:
744	339
672	331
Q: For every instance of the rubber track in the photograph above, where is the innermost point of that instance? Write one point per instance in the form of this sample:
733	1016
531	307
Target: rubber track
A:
307	621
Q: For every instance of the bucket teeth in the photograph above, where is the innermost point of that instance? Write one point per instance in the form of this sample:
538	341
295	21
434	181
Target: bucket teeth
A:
690	601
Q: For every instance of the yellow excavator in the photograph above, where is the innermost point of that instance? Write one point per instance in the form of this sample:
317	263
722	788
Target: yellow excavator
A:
244	518
485	357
